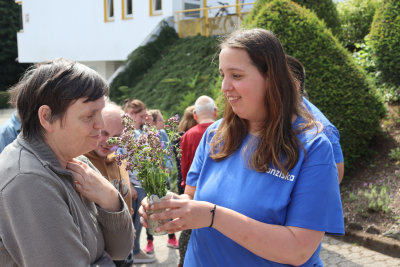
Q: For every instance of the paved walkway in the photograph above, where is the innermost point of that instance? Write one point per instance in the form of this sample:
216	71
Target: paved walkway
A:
334	253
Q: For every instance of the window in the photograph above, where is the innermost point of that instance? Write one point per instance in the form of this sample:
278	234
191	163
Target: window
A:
108	10
155	7
191	5
20	15
127	9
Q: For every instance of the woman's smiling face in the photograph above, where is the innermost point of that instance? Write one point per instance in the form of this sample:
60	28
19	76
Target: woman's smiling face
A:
243	85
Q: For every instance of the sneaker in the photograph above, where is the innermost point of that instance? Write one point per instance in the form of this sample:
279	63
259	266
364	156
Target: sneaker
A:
173	242
142	257
149	247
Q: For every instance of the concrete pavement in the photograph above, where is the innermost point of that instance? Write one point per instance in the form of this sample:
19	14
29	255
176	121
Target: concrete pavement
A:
334	253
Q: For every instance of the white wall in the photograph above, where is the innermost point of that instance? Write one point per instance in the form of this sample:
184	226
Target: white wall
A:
75	29
104	68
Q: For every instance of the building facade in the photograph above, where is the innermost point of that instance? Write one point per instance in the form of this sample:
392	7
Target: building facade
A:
98	33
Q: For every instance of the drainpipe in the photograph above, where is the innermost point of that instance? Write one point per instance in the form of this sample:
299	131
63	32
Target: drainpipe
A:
205	14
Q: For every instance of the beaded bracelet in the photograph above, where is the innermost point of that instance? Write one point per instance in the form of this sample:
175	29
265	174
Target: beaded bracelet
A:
213	213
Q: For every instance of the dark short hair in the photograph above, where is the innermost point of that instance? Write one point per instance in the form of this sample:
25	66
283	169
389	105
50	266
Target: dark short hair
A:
298	72
58	84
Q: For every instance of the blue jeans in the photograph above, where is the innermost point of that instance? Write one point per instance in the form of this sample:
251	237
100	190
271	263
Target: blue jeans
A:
136	217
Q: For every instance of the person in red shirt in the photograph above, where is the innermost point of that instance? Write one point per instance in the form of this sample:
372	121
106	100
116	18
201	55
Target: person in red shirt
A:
205	112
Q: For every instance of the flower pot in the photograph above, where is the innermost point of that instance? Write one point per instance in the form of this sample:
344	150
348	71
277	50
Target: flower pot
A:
153	224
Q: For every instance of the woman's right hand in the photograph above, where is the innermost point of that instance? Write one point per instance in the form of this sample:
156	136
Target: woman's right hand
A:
180	211
94	187
145	208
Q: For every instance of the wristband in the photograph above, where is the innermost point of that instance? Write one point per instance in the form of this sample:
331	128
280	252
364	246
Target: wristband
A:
213	213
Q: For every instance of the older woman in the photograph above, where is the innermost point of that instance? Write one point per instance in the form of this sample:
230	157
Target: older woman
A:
54	209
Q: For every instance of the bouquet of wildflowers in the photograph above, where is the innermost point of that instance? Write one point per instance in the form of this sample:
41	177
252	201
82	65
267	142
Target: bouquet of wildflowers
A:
145	153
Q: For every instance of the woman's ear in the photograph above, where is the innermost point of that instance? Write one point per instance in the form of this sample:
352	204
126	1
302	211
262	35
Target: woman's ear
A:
44	114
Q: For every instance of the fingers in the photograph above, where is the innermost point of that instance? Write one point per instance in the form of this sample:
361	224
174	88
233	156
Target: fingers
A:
172	203
79	178
145	203
143	222
76	166
171	210
172	226
143	216
166	214
78	172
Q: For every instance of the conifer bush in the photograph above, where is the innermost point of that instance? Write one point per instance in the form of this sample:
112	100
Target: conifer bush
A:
325	10
336	85
140	61
385	41
186	72
10	70
355	19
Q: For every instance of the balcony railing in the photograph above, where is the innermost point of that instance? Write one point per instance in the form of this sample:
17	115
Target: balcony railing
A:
222	22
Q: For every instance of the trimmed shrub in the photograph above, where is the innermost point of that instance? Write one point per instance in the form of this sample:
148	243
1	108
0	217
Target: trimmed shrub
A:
140	61
325	10
180	76
355	18
385	41
335	83
10	21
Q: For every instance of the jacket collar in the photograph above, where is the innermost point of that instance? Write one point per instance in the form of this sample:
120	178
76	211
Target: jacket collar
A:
43	153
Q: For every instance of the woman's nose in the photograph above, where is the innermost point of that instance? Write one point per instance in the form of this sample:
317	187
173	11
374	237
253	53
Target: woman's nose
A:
99	123
226	85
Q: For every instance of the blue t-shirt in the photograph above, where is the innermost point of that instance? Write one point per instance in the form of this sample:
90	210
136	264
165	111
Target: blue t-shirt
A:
9	131
308	197
329	130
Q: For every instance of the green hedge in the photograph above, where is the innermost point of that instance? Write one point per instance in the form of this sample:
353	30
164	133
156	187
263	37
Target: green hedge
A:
10	70
140	61
355	18
180	76
385	40
325	10
336	85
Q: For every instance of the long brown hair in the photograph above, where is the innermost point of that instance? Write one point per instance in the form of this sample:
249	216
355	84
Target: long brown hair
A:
187	120
278	143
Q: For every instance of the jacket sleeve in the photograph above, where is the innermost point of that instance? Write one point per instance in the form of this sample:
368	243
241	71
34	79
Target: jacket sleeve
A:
118	231
36	226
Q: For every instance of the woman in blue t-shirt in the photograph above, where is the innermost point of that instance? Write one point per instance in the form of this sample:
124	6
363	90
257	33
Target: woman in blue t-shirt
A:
263	187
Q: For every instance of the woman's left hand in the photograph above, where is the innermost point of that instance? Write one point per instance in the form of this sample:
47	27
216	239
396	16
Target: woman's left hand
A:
94	187
185	213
